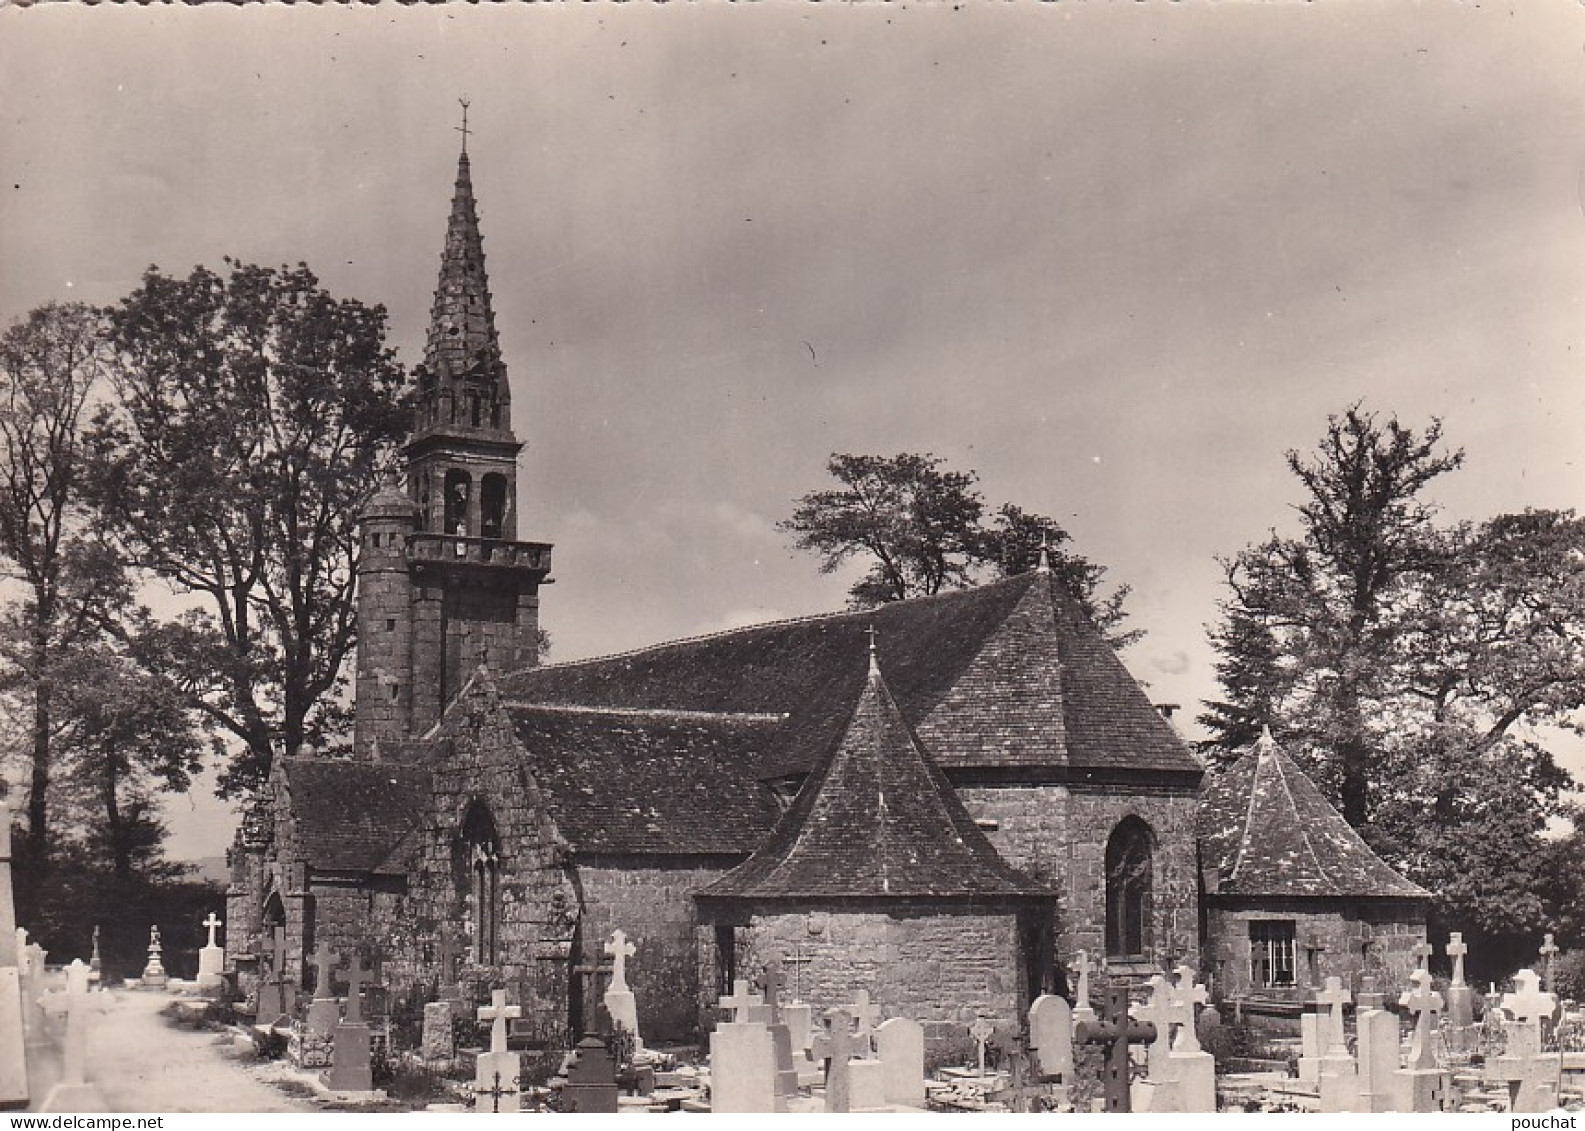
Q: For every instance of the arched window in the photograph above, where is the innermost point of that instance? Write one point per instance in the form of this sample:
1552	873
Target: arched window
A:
481	859
1129	854
492	506
459	487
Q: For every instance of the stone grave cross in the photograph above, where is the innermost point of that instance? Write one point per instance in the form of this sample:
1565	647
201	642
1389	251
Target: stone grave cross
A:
620	951
1082	1010
981	1031
1422	954
1334	998
324	964
1425	1003
1187	997
356	975
835	1047
1548	952
797	960
1530	1075
75	1003
773	987
93	958
1114	1032
210	922
865	1014
498	1013
1457	948
1157	1011
742	999
1528	1004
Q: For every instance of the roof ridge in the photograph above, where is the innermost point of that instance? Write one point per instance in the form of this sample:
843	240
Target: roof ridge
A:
1304	831
647	712
808	618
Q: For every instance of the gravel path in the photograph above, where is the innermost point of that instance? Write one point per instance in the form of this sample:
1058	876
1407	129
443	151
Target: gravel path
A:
144	1063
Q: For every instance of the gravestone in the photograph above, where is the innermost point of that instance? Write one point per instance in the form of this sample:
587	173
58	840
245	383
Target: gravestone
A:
1422	954
901	1043
780	1034
1051	1036
1377	1034
591	1079
271	1009
437	1045
211	958
1114	1032
351	1068
1082	1010
497	1074
1422	1086
1310	1047
980	1033
1338	1078
619	1000
1191	1067
742	1059
864	1014
154	976
837	1048
13	1042
1530	1075
1158	1091
1548	952
75	1004
95	966
324	1012
1460	997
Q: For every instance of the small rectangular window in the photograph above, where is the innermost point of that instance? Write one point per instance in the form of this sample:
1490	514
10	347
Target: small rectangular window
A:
396	692
390	624
1271	952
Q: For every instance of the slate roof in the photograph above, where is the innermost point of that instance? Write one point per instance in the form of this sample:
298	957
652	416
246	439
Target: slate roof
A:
877	820
649	782
1266	830
355	816
1009	674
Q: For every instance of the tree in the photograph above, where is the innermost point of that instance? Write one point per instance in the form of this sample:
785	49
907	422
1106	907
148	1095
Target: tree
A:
49	363
1305	638
1408	665
253	414
923	528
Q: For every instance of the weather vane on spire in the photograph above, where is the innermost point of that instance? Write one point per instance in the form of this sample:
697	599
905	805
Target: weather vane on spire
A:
463	129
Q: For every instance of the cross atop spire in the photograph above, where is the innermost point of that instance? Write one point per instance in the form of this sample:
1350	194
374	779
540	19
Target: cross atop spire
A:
875	667
463	129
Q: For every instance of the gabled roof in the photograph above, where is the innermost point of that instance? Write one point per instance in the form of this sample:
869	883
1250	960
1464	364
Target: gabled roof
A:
649	782
1009	674
355	816
1266	830
875	820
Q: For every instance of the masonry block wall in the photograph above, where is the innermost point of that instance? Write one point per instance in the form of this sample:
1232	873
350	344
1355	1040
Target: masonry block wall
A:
940	964
649	899
1331	937
1057	833
477	762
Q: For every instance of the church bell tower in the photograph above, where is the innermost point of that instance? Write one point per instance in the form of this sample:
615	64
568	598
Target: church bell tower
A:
444	585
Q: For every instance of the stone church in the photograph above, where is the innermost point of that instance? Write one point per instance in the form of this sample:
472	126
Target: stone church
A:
941	800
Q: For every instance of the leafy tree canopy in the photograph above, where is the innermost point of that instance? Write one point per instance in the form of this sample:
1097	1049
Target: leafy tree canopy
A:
923	528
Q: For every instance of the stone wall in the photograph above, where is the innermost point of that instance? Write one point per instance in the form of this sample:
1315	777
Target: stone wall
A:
1057	833
649	899
1346	938
938	964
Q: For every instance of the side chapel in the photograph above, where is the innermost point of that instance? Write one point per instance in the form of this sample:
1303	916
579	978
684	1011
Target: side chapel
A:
941	800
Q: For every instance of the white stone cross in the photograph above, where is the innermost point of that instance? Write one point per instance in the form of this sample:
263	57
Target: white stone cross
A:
1334	997
1158	1011
865	1015
742	998
212	923
497	1013
1187	997
1081	996
1528	1004
1457	948
1425	1003
1422	953
75	1003
620	951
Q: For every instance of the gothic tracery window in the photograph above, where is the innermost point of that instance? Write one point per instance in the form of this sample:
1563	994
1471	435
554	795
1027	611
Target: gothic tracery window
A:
1130	853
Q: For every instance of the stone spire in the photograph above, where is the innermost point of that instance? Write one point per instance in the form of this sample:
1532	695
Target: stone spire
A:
462	355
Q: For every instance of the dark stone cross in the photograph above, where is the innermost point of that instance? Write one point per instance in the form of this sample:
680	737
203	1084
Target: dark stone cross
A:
1548	952
324	964
1026	1090
1114	1032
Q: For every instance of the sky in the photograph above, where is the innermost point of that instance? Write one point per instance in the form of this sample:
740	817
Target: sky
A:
1116	258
